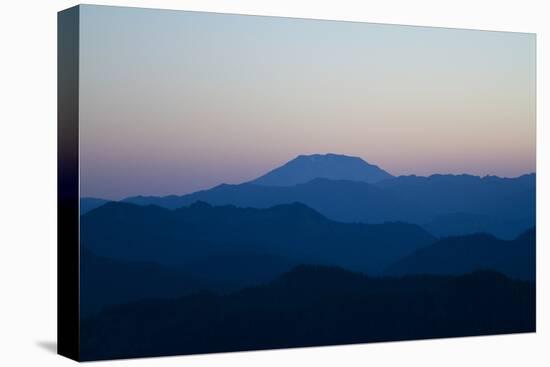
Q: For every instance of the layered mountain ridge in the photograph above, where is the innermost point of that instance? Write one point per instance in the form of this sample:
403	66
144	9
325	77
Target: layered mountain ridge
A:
348	189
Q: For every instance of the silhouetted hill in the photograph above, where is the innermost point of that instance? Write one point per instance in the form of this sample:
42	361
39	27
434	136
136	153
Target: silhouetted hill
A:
459	255
87	204
312	306
444	204
107	282
293	232
305	168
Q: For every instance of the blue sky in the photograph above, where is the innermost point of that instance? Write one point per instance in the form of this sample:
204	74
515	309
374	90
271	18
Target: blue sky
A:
172	101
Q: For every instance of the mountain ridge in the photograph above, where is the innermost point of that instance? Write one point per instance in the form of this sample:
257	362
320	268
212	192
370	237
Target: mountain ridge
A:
460	203
444	204
462	254
321	306
136	233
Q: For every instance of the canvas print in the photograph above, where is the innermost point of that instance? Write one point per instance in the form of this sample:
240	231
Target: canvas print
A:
251	182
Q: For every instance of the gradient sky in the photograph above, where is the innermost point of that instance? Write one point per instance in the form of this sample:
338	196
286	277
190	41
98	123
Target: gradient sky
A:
172	101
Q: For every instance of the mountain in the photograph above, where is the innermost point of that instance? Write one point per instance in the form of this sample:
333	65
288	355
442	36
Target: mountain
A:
313	306
444	204
463	254
346	201
87	204
305	168
293	232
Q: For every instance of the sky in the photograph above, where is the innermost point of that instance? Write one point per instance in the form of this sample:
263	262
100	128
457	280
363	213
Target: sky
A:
172	102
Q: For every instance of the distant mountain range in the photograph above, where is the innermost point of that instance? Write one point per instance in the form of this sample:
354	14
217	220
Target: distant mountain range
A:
465	254
348	189
305	168
290	233
346	201
331	248
242	246
312	306
132	253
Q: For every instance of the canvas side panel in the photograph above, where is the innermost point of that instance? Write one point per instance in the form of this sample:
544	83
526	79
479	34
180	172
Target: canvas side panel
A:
68	183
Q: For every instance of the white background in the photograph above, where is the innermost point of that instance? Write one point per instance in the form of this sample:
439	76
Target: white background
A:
28	184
